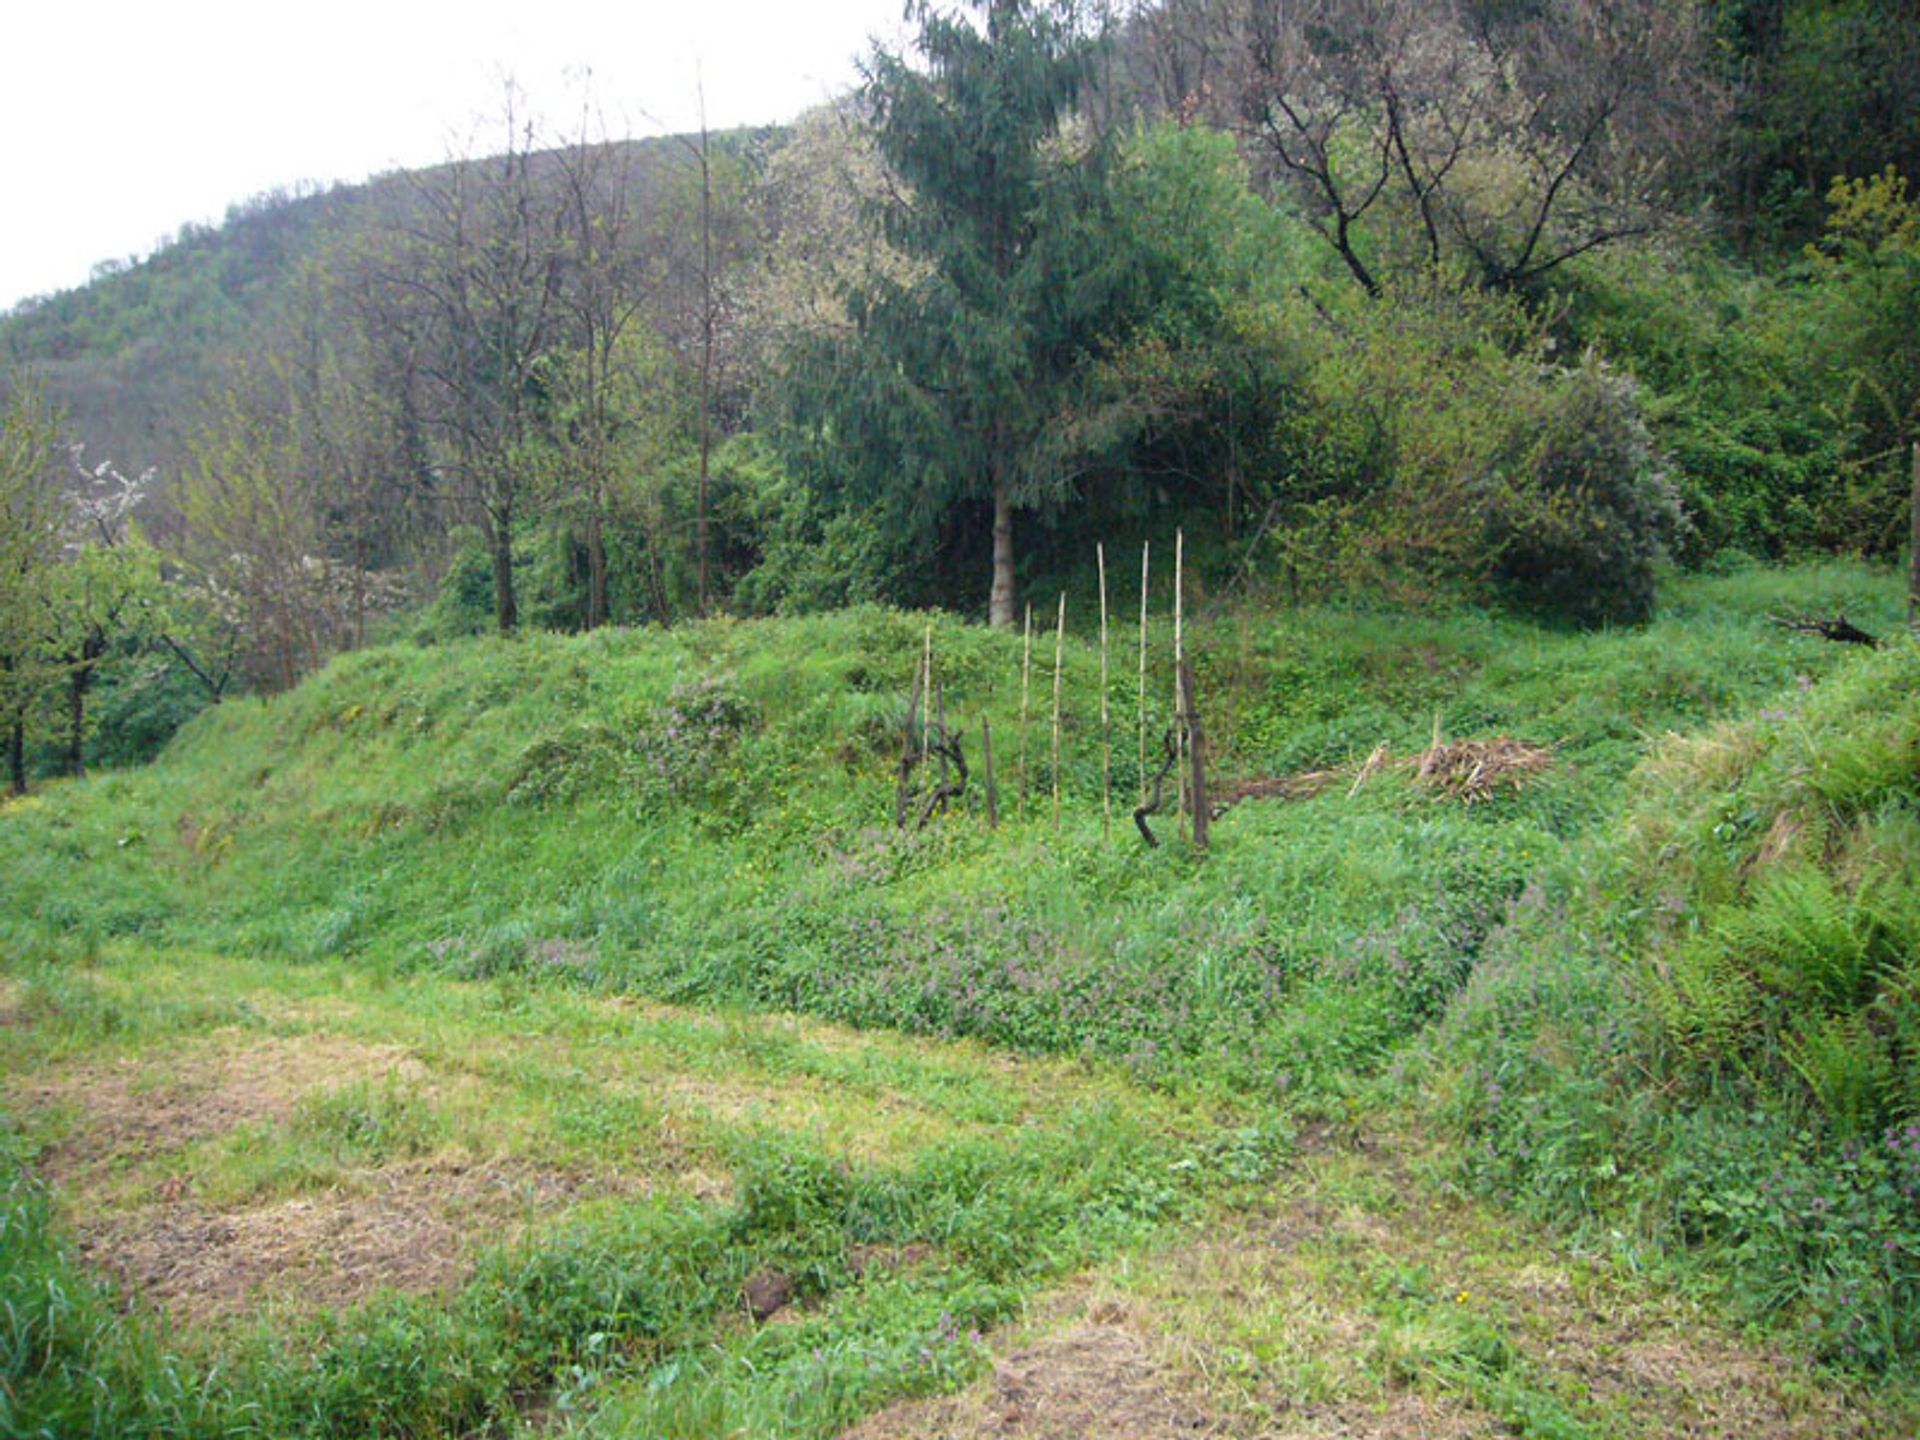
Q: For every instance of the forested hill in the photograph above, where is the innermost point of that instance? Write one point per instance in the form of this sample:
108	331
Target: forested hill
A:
133	356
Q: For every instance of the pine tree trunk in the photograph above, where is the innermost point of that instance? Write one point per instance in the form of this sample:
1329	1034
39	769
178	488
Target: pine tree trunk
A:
1000	598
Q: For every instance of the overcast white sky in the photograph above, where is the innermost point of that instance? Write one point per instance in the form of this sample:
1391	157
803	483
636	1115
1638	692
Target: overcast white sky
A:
121	121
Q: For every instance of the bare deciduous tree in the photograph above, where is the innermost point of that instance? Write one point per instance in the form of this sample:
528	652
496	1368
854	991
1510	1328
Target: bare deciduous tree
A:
1507	139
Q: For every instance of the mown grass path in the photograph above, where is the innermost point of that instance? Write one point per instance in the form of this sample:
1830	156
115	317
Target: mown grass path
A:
651	1220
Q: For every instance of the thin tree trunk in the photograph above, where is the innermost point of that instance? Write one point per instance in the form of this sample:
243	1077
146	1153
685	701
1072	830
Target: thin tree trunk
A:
506	612
17	755
1000	598
77	686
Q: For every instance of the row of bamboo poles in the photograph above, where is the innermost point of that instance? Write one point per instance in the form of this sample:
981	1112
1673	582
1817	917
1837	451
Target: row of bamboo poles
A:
1186	753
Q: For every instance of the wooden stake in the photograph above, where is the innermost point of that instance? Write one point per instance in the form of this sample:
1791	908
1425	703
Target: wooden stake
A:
1106	719
1026	703
1197	744
1913	583
1059	662
926	672
1179	659
986	758
1144	545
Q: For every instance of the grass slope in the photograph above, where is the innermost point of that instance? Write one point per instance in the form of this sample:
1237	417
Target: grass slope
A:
475	856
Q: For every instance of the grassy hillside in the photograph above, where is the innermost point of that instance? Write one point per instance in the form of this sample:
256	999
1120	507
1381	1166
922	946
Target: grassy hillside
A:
440	874
707	813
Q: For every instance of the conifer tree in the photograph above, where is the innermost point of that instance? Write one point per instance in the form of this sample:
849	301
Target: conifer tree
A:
944	389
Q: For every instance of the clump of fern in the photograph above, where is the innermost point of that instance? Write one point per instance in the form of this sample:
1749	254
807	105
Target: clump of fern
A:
1720	1042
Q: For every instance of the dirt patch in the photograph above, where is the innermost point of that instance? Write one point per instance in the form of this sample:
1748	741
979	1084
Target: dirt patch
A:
412	1229
130	1110
1094	1380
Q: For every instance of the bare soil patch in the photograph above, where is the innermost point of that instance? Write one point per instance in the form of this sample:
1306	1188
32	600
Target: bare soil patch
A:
133	1109
403	1228
1093	1381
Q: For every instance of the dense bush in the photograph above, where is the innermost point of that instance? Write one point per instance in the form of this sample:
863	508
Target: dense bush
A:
1440	456
1594	511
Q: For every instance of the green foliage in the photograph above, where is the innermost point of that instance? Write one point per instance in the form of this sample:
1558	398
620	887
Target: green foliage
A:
72	1362
953	383
1440	456
1596	515
1755	926
1822	88
1786	403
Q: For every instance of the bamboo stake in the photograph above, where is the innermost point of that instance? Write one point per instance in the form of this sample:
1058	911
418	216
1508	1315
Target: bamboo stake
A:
926	671
1198	742
1144	547
1106	718
1913	581
1059	661
1179	658
1026	703
993	794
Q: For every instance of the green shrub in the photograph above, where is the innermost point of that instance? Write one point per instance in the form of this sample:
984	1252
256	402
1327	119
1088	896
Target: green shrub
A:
1594	514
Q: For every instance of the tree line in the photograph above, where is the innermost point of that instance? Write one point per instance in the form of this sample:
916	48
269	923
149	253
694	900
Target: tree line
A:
1445	301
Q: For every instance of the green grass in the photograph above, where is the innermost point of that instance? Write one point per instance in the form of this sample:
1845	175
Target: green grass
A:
519	934
648	1161
705	815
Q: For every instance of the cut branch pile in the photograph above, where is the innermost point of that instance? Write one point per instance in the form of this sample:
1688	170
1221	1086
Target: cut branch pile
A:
1303	786
1469	770
1476	770
1839	629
